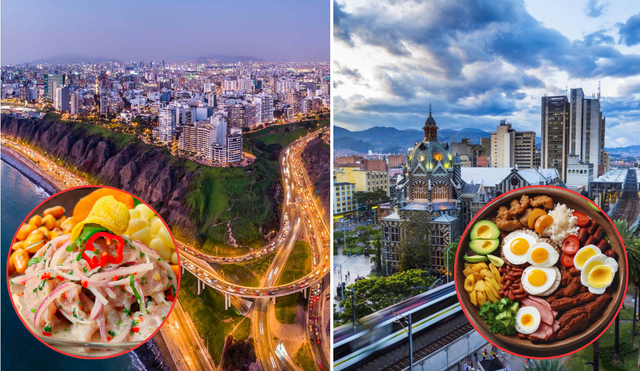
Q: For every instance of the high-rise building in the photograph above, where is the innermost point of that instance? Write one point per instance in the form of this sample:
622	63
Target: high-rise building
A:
236	116
61	99
219	124
104	105
555	119
266	106
395	160
51	83
234	145
471	150
167	124
503	146
586	130
525	149
74	105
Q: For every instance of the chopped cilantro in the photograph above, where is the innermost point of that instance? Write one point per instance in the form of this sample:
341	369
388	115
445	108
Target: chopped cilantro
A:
142	254
112	333
33	310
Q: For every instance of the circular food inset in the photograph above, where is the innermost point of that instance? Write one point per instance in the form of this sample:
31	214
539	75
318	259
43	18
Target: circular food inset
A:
83	283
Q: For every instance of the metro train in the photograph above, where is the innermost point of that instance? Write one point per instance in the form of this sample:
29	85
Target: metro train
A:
382	331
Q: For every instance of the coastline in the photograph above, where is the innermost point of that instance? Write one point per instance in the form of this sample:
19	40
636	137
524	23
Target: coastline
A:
153	354
30	170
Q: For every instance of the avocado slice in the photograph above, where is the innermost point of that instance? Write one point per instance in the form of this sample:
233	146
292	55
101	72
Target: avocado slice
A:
485	230
475	258
484	247
498	262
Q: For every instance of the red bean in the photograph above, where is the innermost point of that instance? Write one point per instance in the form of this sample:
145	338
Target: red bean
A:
516	269
518	291
507	284
516	273
521	296
591	240
503	279
593	228
611	254
501	292
603	245
511	296
599	233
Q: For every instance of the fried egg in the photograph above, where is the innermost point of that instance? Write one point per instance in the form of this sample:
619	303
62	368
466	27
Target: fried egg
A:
542	254
516	245
598	273
537	280
527	320
585	254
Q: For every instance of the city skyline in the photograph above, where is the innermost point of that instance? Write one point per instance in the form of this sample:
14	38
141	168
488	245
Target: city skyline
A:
494	64
295	33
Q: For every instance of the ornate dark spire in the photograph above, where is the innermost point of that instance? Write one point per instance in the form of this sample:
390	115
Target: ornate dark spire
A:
430	128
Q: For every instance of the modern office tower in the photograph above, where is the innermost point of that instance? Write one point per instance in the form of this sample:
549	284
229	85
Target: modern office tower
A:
586	130
189	138
61	99
236	116
343	200
219	124
525	149
167	124
74	105
555	119
212	100
51	82
234	145
503	146
592	138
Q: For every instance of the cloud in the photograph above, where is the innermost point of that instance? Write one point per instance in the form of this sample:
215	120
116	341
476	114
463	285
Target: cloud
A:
598	38
630	31
594	8
477	60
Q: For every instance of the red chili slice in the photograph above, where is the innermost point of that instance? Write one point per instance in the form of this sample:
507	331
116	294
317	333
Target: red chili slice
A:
104	258
46	333
567	260
571	244
135	329
583	219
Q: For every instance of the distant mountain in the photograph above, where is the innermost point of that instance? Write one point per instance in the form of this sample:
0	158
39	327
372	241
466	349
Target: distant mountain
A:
387	139
624	150
73	58
221	58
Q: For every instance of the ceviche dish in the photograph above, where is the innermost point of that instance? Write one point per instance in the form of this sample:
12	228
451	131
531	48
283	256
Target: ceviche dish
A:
539	270
95	281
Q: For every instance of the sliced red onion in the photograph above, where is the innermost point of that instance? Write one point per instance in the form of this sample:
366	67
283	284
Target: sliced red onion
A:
103	332
59	255
78	270
170	273
143	305
50	298
66	275
96	310
99	297
109	291
138	268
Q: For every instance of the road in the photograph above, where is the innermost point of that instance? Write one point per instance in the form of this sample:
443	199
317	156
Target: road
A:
179	331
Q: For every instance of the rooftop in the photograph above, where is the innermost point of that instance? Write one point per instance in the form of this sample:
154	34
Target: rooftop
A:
615	175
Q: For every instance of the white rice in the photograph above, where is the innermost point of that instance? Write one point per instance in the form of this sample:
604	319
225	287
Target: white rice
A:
564	224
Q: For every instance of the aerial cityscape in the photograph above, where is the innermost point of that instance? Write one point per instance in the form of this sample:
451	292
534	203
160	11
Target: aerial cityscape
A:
230	144
429	129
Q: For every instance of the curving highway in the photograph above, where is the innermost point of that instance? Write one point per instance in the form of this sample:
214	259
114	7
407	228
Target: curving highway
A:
299	210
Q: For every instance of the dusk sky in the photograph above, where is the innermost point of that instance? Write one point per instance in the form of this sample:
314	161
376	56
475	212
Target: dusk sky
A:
482	61
277	31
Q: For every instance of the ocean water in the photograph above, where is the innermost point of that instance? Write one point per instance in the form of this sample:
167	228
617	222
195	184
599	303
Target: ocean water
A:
20	349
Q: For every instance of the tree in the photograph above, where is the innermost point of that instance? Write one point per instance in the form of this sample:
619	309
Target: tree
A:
450	255
374	294
547	365
415	248
633	260
626	233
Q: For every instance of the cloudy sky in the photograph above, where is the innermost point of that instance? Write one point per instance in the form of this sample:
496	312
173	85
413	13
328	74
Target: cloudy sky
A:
277	31
484	60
